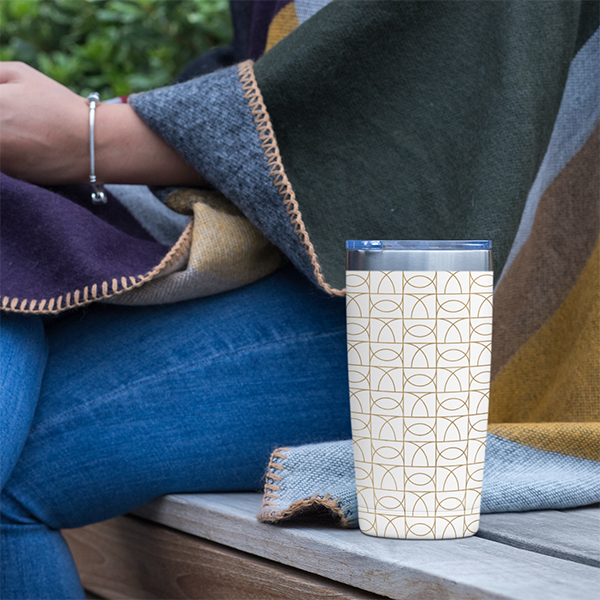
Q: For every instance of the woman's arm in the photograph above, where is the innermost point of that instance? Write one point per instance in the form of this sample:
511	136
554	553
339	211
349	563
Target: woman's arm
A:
44	137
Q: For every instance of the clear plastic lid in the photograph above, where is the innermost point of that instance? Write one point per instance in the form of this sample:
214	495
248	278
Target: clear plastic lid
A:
419	255
418	244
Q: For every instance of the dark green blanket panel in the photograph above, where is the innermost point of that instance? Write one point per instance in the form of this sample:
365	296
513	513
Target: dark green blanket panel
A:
428	122
589	21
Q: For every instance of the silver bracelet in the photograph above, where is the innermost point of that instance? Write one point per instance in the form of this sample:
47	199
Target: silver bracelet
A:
98	195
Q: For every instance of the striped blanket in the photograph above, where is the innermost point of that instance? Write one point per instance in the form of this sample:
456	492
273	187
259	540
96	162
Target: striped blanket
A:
543	446
362	120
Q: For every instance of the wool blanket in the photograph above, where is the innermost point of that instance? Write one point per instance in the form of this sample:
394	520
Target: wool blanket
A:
61	252
543	442
362	120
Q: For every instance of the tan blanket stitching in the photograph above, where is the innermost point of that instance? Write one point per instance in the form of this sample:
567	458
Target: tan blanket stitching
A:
90	294
269	143
270	497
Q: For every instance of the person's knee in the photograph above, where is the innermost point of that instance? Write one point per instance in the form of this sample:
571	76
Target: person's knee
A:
15	511
31	505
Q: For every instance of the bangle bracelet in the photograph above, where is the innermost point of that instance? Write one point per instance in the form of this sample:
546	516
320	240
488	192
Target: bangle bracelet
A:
98	195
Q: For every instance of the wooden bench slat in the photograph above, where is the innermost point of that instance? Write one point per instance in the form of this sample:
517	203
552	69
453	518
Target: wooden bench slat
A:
128	558
587	512
461	569
568	535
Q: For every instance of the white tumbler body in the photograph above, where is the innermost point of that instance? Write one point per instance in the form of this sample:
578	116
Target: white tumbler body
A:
419	355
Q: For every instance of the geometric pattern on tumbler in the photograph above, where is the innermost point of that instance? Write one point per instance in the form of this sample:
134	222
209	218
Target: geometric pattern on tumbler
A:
419	355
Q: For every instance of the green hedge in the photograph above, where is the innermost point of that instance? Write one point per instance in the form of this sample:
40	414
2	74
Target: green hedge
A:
115	47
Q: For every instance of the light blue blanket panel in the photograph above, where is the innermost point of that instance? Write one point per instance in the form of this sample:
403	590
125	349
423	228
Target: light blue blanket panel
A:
516	477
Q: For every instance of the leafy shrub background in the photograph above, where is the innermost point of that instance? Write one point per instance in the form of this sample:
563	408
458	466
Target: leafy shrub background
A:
115	47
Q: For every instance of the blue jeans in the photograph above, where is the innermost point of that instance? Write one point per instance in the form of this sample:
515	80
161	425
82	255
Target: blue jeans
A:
109	407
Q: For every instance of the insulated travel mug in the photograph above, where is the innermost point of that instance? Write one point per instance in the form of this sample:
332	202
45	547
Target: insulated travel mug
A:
419	326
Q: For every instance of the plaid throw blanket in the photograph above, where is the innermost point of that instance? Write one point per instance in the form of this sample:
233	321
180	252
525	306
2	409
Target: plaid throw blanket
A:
398	120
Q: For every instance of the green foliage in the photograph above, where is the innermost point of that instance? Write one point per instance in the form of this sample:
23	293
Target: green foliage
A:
116	47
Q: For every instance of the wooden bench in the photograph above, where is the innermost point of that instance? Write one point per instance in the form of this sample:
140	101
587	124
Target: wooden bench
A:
206	546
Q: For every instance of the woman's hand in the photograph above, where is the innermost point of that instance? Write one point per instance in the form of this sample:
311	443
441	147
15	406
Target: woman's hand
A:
44	137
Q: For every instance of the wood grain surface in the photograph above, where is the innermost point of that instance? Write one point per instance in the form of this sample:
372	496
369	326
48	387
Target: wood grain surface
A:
130	558
572	536
403	569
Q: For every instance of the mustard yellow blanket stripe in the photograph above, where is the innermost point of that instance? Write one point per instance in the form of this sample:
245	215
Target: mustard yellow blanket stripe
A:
575	439
552	259
554	376
284	22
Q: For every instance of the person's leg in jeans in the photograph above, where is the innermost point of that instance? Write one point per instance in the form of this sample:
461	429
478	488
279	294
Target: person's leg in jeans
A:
23	353
138	402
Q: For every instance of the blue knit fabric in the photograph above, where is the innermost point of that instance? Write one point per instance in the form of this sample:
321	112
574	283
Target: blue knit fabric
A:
516	478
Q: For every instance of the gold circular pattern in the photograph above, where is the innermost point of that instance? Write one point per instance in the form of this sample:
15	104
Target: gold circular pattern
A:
419	351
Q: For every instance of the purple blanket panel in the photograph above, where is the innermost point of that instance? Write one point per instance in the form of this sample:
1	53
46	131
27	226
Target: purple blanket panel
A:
54	241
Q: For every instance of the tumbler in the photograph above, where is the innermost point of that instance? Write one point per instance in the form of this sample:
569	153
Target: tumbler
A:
419	330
